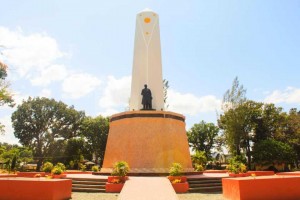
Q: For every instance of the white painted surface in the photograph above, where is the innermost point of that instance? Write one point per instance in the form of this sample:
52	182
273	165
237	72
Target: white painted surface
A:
148	188
147	67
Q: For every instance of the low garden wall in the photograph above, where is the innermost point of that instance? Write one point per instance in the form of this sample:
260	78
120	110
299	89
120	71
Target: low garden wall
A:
35	189
262	187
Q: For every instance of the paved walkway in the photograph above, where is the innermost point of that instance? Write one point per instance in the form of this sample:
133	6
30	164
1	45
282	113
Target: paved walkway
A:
148	188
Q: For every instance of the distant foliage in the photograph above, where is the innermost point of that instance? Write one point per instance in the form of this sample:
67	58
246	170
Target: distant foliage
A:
270	151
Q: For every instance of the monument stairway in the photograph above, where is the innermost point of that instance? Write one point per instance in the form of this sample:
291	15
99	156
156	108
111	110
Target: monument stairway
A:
88	185
205	185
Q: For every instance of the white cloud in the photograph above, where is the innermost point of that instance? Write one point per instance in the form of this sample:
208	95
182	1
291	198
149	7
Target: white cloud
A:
79	85
116	94
289	95
45	93
52	73
189	104
8	136
30	55
108	112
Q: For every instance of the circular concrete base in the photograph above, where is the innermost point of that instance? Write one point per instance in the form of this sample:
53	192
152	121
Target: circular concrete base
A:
149	141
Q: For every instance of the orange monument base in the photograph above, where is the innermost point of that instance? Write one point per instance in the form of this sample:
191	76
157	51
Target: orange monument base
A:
149	141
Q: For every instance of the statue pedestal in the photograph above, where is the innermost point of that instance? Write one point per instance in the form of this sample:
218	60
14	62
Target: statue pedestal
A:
149	141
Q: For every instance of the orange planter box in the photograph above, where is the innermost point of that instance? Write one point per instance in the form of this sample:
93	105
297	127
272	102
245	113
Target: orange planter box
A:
182	178
261	173
297	173
215	171
30	174
238	175
35	189
111	179
8	175
262	187
111	187
181	187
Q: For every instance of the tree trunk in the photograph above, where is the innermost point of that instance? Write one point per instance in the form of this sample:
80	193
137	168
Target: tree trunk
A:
39	165
248	154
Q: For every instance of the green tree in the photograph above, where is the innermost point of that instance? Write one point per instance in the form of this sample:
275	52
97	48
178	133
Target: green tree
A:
14	155
76	149
199	158
291	132
235	96
270	151
238	125
40	122
269	125
95	131
230	120
201	137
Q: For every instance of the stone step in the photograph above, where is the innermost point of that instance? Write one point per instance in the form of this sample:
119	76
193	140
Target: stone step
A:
90	179
204	181
204	185
83	182
88	186
206	189
74	189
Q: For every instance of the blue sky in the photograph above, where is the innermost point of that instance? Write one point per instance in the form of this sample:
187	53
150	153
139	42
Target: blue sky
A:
81	53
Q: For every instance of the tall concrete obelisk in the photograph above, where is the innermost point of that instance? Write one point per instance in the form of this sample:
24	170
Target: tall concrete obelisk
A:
147	68
149	140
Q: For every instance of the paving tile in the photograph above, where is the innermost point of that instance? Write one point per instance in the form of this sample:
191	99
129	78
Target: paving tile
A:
148	188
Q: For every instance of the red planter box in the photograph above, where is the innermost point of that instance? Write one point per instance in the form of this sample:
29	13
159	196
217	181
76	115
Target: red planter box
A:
111	179
181	187
35	189
113	188
261	173
215	171
59	175
182	178
238	175
30	174
261	187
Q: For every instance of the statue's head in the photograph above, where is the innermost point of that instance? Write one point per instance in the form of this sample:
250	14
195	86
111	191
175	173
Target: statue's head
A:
145	85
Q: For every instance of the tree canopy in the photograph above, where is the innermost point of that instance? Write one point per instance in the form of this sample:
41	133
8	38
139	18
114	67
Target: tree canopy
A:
41	123
95	131
270	151
201	137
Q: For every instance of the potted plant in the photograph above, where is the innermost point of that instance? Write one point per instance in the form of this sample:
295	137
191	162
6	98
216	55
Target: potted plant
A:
116	182
178	181
47	167
236	169
95	168
57	171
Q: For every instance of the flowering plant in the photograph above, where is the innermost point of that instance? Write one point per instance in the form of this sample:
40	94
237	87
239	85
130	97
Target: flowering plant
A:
176	181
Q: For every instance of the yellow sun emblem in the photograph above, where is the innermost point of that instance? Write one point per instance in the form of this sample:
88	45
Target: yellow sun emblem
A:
147	20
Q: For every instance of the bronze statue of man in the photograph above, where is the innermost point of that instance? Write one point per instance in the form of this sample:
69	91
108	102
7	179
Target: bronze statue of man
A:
147	98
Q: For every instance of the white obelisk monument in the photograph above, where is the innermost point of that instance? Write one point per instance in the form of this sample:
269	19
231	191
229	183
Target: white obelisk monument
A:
150	140
147	67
